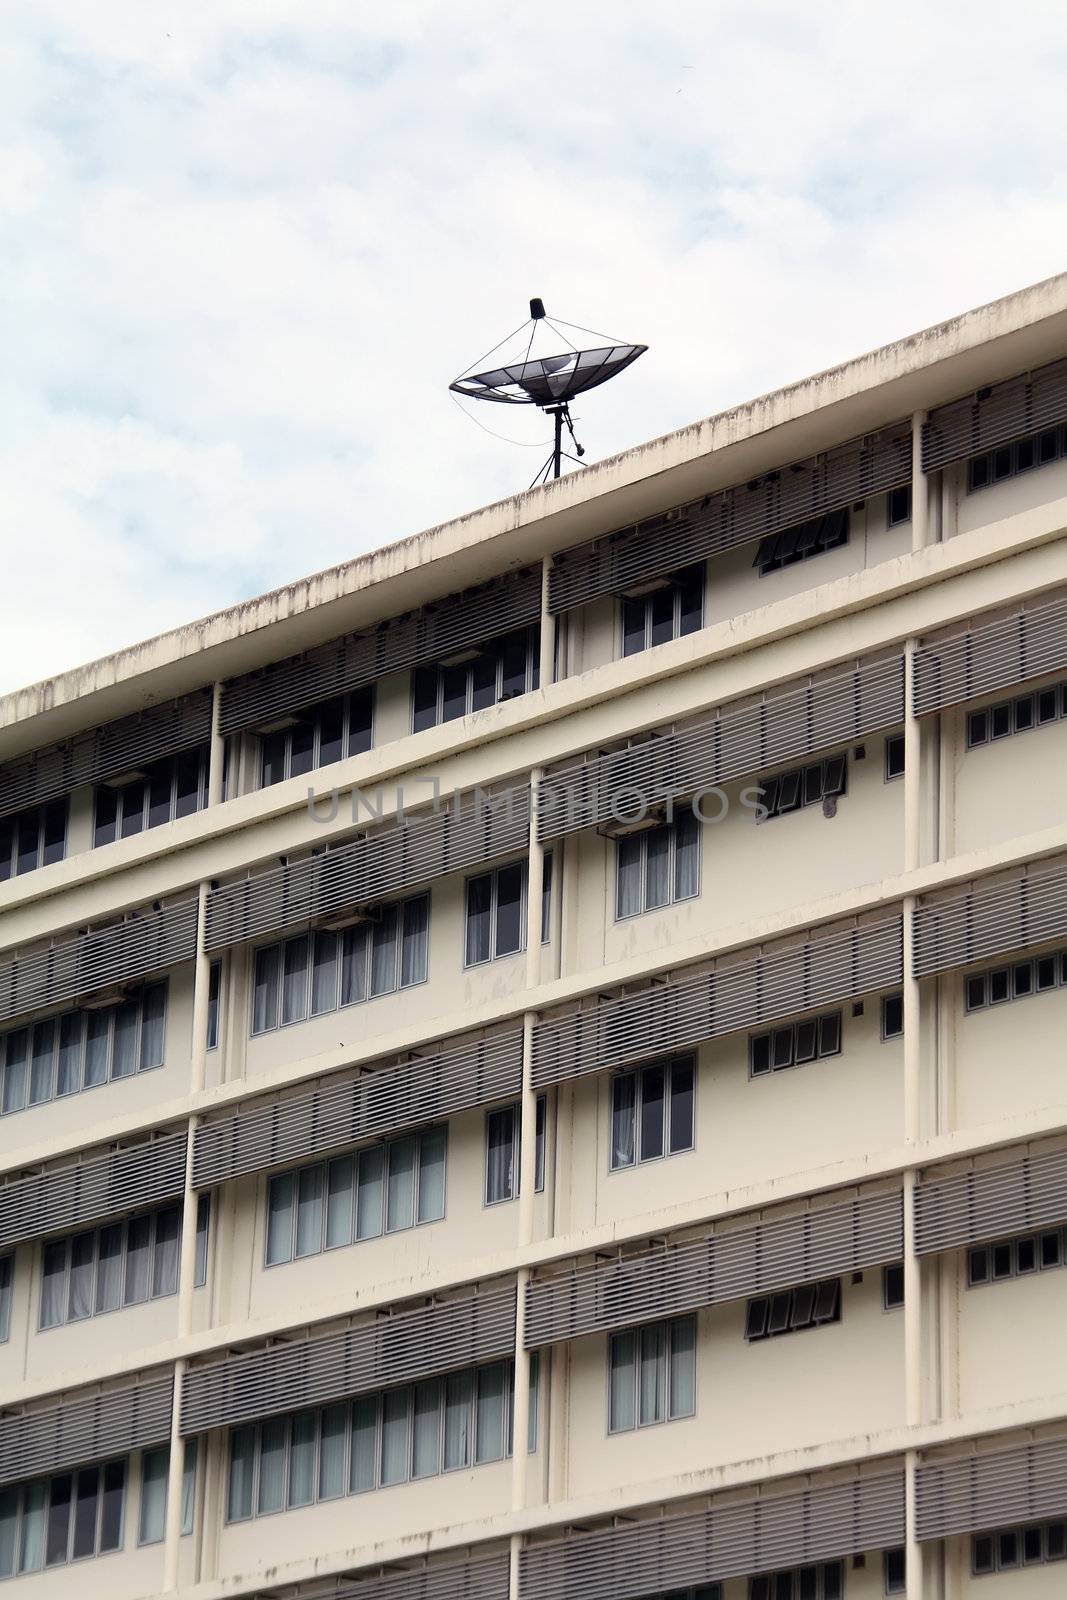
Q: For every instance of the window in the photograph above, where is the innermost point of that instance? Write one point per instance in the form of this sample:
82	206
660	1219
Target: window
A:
894	1576
1008	1548
825	1582
894	756
174	787
501	670
652	1374
810	1305
502	1152
33	838
67	1517
657	866
496	913
1009	717
1016	982
155	1465
318	737
376	1441
804	786
795	1044
669	612
1017	1258
651	1112
120	1264
898	506
321	972
1009	460
892	1016
7	1279
893	1286
214	989
383	1188
801	542
78	1050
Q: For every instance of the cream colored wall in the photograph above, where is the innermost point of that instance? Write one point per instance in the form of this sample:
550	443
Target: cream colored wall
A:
1024	1316
1025	1583
1006	499
751	1399
994	1077
1006	788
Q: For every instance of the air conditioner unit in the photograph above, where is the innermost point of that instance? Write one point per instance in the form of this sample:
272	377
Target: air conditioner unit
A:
461	658
350	917
653	818
638	590
103	998
279	725
120	779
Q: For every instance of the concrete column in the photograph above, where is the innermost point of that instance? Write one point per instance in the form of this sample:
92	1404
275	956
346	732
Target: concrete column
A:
548	630
913	1550
920	501
217	756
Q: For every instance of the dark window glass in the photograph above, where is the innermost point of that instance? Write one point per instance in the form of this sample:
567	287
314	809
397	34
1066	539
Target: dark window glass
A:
892	1016
509	910
633	626
55	832
453	693
652	1104
893	1285
111	1512
424	698
58	1529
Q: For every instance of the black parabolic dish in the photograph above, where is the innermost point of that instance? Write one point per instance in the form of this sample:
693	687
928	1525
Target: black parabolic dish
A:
549	380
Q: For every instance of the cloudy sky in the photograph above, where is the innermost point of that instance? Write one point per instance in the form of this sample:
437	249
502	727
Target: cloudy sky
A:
245	245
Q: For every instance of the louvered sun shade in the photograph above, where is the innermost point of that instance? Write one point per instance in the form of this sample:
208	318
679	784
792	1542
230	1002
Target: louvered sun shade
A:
84	1427
1009	410
665	1282
991	655
991	1203
460	622
683	1012
738	742
995	1489
726	1541
77	964
422	1343
124	746
720	521
384	1098
56	1199
468	831
1013	914
482	1577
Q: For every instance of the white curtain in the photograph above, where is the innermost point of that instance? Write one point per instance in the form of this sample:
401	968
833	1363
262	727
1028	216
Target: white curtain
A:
459	1394
9	1523
383	953
165	1265
369	1203
628	899
653	1373
69	1079
324	974
363	1472
309	1209
97	1047
339	1203
31	1554
500	1155
413	955
489	1440
54	1284
332	1452
683	1367
153	1496
242	1460
623	1101
400	1210
686	856
432	1150
280	1207
657	867
109	1268
396	1409
272	1439
426	1460
82	1277
622	1414
302	1460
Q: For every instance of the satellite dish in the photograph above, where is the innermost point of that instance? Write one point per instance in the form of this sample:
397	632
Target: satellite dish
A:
549	381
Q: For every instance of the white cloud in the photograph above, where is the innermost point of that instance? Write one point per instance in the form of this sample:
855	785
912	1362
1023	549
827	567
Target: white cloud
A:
245	244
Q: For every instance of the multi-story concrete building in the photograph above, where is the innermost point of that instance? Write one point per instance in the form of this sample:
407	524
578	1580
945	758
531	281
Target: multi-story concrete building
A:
422	1195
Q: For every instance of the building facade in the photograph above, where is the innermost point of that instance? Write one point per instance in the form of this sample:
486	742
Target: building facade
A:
463	1017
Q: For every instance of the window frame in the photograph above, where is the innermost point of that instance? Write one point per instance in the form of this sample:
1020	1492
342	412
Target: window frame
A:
981	472
45	853
493	874
56	1021
821	1021
830	530
676	584
497	646
7	1293
45	1484
898	504
685	817
1008	976
153	1247
892	1296
893	758
1047	1249
980	723
636	1074
831	785
514	1110
797	1320
113	829
314	714
667	1326
896	998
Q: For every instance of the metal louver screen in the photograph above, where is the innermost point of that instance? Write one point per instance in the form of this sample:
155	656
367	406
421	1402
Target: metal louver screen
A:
56	1199
737	743
384	863
665	1282
127	745
484	1577
995	1490
991	655
80	1428
730	1541
77	964
422	1343
460	622
685	1012
992	1203
1018	406
384	1098
727	518
1007	916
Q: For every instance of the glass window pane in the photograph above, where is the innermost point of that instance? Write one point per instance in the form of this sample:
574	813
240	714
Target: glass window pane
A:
483	682
686	856
159	788
34	1513
396	1435
623	1103
363	1472
426	1457
652	1386
681	1112
301	748
691	600
28	842
652	1112
479	918
109	1268
331	720
82	1286
546	899
500	1129
657	868
309	1211
340	1202
54	1284
354	950
324	974
539	1145
370	1199
242	1460
273	748
432	1148
629	883
360	721
513	655
489	1437
400	1211
333	1429
127	1024
58	1534
633	625
9	1523
16	1070
131	800
97	1047
661	605
187	782
106	812
459	1395
383	953
153	1022
413	953
43	1062
302	1453
423	698
509	910
55	832
165	1261
153	1496
272	1442
683	1367
622	1397
280	1208
203	1224
453	692
214	986
188	1485
111	1510
295	980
